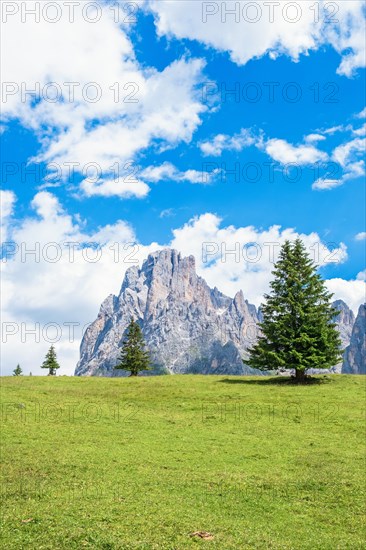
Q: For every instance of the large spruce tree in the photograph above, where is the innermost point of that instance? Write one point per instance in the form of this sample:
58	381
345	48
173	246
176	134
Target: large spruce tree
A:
298	328
50	362
133	357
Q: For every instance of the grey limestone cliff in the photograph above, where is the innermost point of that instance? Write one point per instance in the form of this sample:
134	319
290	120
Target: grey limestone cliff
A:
355	354
188	327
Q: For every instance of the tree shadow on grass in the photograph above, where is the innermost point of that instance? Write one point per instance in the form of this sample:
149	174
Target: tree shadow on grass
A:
278	381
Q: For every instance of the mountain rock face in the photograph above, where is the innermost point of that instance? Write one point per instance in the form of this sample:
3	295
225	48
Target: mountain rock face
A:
355	354
187	326
345	321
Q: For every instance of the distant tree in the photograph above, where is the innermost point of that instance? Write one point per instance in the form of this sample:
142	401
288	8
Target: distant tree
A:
298	328
50	362
133	356
17	371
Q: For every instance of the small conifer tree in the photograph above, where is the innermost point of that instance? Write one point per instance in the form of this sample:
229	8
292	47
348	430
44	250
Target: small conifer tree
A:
50	362
133	357
17	371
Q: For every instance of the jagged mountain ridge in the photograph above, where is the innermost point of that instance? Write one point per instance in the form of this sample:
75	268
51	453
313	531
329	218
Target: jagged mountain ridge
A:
188	327
345	321
355	354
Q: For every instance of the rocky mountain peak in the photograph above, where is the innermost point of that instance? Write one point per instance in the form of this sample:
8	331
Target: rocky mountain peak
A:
345	321
186	324
346	314
355	354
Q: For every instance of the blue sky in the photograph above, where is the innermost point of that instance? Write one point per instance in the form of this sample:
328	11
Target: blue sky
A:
301	159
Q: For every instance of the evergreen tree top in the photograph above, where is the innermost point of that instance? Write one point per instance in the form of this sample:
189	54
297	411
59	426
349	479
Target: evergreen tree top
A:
133	357
298	329
50	361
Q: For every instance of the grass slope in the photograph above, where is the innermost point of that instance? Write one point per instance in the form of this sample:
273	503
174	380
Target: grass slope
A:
142	463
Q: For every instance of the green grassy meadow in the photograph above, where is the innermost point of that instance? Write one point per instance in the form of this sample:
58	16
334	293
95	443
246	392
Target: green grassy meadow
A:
142	463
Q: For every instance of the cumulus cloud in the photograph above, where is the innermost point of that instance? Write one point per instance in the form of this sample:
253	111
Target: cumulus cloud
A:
222	142
55	278
254	29
119	187
344	153
234	258
278	149
361	236
314	138
361	131
167	213
285	153
352	292
7	201
324	184
168	171
348	156
94	104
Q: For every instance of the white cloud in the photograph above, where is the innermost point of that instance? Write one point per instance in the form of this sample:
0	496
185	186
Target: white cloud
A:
333	130
222	142
359	131
343	153
58	274
168	171
348	36
354	170
120	187
138	106
285	153
167	213
7	201
341	128
361	236
46	206
362	114
314	138
352	292
278	149
324	184
161	172
348	156
280	28
231	265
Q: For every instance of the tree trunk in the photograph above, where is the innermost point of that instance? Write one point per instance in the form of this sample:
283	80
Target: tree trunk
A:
300	376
